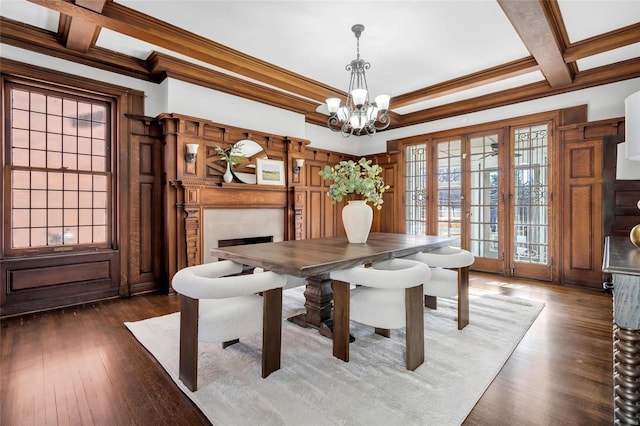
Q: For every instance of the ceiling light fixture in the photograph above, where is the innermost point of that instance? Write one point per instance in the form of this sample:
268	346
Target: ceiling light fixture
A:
358	116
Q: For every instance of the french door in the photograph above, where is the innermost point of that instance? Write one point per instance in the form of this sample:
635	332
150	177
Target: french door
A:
489	189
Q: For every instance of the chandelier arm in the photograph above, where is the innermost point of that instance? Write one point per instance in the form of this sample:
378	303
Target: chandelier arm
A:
384	120
334	123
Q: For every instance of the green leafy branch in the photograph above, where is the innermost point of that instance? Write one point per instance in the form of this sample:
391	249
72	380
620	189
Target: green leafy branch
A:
360	179
231	155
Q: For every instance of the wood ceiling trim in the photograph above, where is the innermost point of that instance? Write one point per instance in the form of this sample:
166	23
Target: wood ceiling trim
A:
164	65
35	39
536	29
554	15
490	75
602	43
81	35
143	27
598	76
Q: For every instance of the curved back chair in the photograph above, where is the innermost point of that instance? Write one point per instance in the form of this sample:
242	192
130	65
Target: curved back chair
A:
449	278
217	305
389	296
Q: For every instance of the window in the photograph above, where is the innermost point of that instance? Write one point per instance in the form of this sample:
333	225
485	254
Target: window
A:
59	163
416	185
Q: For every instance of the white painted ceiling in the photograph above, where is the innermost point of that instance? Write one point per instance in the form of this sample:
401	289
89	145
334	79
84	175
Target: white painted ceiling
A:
410	44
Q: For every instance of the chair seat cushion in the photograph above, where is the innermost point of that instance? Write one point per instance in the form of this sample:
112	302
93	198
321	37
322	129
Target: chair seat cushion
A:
445	257
443	283
378	307
222	320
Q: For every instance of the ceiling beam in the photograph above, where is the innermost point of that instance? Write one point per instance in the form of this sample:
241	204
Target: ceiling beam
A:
143	27
48	43
80	35
620	71
602	43
538	32
162	66
490	75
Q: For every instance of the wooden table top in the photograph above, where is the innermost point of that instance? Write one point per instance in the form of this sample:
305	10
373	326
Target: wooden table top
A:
306	258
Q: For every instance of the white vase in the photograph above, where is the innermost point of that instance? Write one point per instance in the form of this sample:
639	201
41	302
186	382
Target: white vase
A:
357	217
228	177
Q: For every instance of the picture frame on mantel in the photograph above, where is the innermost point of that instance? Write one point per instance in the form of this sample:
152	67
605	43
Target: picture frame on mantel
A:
270	172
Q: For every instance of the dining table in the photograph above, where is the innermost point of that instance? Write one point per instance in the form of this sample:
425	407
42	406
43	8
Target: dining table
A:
314	259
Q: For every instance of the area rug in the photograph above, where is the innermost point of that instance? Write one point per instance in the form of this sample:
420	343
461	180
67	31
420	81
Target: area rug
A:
373	388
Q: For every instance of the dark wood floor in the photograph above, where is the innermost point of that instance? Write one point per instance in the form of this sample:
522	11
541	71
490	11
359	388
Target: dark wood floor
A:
82	366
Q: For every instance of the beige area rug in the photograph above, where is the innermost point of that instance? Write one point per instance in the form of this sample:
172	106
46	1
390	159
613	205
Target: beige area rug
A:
374	388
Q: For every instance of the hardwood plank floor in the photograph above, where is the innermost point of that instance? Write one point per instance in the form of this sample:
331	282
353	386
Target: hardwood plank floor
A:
80	365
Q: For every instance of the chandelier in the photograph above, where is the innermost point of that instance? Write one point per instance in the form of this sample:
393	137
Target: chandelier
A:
358	116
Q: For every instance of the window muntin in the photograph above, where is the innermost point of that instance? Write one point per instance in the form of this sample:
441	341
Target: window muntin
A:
60	171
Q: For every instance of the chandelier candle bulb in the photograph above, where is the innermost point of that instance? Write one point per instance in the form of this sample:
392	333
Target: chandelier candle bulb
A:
358	116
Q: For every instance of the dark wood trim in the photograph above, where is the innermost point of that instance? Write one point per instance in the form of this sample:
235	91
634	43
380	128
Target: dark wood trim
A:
130	22
603	43
81	35
163	66
490	75
597	76
530	21
37	40
127	101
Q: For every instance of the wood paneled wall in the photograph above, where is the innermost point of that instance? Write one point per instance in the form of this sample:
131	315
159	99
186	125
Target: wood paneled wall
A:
33	283
592	198
190	188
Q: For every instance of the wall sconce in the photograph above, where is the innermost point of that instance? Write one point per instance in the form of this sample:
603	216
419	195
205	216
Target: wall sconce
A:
192	151
299	162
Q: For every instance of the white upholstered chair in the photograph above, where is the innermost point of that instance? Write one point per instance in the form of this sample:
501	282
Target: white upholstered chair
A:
389	296
449	278
217	305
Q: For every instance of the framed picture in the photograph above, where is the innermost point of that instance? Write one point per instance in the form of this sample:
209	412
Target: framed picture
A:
270	172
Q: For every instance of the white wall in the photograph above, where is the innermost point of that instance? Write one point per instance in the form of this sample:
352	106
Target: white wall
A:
190	99
175	96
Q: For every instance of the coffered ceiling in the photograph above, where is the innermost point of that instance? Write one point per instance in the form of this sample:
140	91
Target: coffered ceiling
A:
436	59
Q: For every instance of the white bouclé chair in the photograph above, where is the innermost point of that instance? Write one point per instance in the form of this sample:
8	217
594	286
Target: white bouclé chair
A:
388	296
449	278
216	305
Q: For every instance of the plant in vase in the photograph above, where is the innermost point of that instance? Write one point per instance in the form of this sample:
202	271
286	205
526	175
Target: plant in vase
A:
358	182
231	156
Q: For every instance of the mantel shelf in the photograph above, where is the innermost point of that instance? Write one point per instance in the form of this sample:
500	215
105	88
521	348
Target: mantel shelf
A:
252	187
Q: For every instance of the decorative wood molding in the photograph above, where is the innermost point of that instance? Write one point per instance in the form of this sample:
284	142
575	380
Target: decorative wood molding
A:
304	94
163	66
530	21
37	40
490	75
132	23
603	43
81	35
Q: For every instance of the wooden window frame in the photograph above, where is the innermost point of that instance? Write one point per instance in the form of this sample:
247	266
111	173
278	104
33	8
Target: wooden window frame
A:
110	166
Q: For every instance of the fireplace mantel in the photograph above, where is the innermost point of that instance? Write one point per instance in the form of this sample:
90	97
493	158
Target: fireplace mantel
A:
193	187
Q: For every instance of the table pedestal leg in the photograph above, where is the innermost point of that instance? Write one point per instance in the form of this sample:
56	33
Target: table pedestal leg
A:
626	375
626	349
319	297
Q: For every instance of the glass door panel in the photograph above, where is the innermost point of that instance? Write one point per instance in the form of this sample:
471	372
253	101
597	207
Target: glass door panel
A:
484	181
416	188
530	201
449	188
